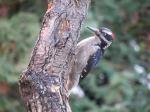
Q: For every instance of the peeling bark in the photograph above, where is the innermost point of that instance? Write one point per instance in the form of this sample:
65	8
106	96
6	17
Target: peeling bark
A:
43	84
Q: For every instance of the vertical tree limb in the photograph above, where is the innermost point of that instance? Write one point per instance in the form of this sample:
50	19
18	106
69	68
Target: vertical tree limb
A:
43	84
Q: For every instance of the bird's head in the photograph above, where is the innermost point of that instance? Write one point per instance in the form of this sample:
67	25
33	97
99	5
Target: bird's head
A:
105	35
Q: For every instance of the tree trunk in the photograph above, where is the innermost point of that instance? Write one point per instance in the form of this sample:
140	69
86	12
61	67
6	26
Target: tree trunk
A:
43	84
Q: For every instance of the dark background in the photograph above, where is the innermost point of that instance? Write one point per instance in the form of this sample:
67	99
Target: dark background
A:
120	82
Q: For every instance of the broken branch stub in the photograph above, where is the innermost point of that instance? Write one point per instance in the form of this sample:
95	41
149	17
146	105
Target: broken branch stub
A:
43	84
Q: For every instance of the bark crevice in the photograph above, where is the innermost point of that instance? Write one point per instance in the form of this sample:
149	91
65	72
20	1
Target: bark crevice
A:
43	84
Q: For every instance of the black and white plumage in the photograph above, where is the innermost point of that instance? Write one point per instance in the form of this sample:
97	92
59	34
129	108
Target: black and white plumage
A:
92	62
88	53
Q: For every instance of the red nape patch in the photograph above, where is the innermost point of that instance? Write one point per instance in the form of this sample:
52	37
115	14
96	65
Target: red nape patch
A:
113	36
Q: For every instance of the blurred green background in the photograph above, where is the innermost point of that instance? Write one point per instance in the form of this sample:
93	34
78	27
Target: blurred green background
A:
121	81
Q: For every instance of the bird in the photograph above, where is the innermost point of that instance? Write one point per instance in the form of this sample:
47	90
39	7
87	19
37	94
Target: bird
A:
88	53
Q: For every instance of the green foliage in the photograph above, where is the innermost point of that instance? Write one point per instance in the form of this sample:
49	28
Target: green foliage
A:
17	37
114	85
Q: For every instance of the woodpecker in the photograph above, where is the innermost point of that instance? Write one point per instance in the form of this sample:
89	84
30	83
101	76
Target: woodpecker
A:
88	53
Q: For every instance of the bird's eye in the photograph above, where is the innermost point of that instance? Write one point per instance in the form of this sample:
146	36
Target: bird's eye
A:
104	34
107	36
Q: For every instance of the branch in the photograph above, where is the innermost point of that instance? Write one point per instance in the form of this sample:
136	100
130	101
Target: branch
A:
43	84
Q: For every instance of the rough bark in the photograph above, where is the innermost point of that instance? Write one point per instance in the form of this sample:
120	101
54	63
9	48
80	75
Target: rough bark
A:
43	84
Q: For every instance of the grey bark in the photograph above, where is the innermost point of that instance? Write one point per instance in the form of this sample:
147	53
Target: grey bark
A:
43	84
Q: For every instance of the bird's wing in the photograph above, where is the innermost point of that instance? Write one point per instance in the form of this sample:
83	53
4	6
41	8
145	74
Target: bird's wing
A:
92	62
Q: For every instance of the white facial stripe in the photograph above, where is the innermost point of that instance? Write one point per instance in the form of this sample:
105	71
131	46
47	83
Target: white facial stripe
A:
104	39
108	32
107	45
108	42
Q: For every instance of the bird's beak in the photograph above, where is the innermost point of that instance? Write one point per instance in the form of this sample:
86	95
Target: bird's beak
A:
96	31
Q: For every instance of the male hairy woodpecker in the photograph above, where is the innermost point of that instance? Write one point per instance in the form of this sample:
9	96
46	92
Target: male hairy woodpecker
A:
88	53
